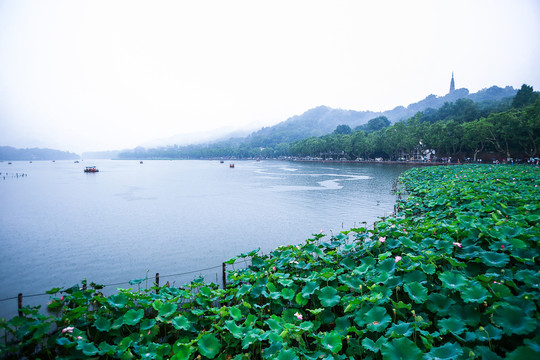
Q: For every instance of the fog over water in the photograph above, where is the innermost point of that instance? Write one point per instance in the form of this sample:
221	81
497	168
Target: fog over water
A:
60	225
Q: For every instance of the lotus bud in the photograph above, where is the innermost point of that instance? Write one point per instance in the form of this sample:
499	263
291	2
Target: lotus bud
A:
481	328
413	312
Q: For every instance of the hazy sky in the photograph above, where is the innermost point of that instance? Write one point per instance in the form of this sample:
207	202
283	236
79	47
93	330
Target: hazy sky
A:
104	75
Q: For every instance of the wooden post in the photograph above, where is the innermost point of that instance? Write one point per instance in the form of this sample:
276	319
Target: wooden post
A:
19	303
157	283
224	275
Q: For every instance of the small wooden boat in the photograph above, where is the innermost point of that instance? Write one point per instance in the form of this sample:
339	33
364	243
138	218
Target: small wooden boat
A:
140	162
91	169
231	165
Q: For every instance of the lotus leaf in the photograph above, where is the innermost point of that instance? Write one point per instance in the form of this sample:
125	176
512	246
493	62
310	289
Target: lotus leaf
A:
453	280
274	323
106	349
474	293
102	324
400	330
529	277
467	313
374	346
332	341
448	351
118	322
209	346
286	282
132	316
328	296
513	320
118	300
401	349
288	354
62	341
181	323
235	330
416	291
182	351
494	259
137	281
453	325
377	319
428	268
147	324
88	349
167	310
488	333
439	304
309	288
288	294
251	336
523	353
243	290
415	276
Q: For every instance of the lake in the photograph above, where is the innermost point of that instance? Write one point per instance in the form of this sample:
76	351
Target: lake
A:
60	225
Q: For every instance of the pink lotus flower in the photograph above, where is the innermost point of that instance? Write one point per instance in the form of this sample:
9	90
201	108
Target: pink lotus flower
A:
457	244
79	337
298	316
397	258
69	329
502	247
382	239
274	268
62	298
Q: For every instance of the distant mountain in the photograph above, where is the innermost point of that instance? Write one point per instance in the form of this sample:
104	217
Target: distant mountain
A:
198	138
111	154
8	153
323	119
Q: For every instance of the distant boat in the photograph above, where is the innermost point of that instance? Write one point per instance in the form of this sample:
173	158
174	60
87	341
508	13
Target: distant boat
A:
9	163
76	161
221	161
140	162
91	169
231	165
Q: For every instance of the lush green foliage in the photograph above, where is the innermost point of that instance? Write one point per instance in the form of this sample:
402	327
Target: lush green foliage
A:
508	134
454	275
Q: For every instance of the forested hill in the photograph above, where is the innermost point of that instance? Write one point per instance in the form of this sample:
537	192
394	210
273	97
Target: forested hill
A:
11	153
323	120
283	138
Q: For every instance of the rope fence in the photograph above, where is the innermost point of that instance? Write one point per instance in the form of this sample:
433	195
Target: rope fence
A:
156	278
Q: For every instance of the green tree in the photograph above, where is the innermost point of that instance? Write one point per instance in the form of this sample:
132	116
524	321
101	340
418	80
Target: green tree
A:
525	96
343	129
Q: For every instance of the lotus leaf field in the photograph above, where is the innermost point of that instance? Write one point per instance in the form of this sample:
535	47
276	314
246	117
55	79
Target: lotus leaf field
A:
454	274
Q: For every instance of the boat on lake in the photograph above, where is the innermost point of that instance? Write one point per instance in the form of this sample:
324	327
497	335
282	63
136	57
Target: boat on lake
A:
231	165
91	169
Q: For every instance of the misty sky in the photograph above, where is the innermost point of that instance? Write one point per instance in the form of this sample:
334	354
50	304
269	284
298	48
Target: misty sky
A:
104	75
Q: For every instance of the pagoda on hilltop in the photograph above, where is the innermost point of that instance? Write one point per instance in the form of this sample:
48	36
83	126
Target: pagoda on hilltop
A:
452	85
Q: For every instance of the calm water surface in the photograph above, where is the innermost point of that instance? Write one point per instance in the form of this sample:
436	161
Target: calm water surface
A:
59	225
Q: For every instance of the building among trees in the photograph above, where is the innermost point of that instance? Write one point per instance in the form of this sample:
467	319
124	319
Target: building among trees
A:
452	85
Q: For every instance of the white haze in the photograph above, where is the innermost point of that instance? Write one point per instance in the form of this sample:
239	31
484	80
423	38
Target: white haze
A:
103	75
